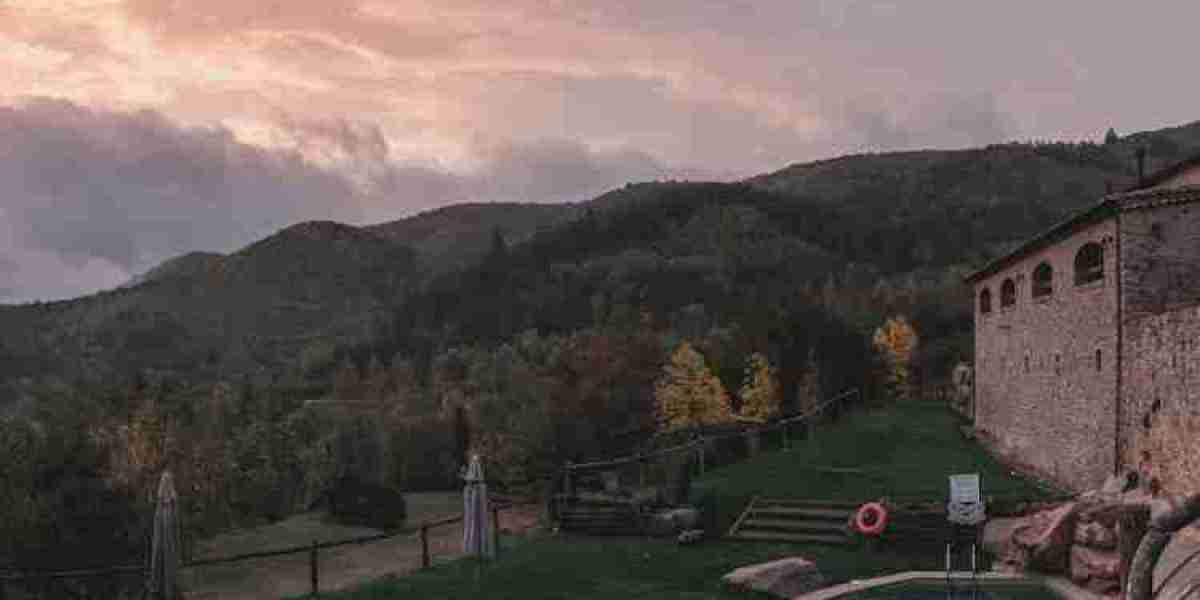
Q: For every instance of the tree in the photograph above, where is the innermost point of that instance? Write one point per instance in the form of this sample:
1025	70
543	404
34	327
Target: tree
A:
760	392
897	341
347	382
1111	137
378	382
688	394
318	357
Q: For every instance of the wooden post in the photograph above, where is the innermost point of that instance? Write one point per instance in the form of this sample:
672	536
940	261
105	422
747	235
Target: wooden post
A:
641	460
496	529
424	545
313	574
567	479
701	443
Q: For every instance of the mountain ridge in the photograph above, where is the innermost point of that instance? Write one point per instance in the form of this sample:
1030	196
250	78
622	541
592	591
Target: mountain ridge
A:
870	217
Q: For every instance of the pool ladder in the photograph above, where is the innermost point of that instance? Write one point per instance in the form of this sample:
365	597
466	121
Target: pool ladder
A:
950	573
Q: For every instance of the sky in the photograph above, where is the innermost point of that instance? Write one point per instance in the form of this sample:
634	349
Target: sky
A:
132	131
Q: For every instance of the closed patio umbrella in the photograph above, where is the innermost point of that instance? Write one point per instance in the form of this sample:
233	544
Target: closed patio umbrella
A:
476	540
164	553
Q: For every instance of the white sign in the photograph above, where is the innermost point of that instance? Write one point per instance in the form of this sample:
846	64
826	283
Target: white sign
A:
964	489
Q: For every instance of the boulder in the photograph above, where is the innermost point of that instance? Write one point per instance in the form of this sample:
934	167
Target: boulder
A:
1046	539
1104	513
1088	564
783	578
668	523
1095	535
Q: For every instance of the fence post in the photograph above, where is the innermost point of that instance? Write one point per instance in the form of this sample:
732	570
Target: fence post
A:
424	545
496	529
567	479
312	568
641	461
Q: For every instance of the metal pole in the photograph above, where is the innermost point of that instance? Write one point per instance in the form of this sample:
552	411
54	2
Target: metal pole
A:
425	546
312	568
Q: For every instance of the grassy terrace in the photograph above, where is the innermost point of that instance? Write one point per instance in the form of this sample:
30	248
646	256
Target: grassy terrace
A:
905	451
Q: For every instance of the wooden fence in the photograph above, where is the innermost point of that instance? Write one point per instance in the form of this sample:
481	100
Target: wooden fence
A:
50	578
699	445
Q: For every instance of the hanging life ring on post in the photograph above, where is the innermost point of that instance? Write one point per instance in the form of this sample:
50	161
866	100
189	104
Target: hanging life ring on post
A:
871	518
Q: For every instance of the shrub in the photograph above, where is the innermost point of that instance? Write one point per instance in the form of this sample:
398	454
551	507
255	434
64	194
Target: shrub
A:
356	502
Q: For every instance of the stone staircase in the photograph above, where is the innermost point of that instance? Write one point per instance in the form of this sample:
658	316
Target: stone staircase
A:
794	520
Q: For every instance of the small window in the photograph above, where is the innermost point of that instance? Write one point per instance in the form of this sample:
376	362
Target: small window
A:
985	301
1043	280
1156	231
1057	364
1008	293
1026	363
1099	361
1089	263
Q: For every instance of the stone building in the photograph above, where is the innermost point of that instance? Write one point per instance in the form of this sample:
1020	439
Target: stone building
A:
1085	331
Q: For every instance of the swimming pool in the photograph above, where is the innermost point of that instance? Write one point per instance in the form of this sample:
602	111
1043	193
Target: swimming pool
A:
962	590
931	585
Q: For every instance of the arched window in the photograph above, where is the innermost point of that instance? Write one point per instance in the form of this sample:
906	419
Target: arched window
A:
1043	280
1008	293
1089	263
985	301
1099	362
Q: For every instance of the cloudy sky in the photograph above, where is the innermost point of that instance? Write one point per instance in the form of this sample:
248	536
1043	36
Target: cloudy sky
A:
135	130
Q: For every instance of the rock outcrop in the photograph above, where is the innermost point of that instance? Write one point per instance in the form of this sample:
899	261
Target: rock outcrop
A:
783	578
1080	539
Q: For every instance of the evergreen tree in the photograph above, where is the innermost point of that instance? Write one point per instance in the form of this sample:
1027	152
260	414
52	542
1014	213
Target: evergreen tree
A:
1111	137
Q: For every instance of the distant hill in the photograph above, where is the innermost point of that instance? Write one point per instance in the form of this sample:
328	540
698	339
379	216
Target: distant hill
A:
863	220
211	316
454	237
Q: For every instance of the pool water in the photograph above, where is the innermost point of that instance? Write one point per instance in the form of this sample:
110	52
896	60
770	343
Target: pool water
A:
963	590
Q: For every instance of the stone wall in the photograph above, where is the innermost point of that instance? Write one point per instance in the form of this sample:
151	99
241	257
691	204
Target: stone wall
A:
1039	391
1159	270
1161	370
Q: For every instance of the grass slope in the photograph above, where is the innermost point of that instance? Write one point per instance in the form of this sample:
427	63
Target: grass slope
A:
908	450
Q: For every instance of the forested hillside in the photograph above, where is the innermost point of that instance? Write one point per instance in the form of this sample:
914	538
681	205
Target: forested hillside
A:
326	351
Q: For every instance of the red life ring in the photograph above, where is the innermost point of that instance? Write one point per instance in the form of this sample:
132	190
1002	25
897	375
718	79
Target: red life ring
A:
871	518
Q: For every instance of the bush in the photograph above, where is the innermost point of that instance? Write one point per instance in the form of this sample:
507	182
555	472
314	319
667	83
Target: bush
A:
356	502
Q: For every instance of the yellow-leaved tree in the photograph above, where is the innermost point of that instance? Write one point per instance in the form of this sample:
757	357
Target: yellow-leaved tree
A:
688	394
760	392
897	340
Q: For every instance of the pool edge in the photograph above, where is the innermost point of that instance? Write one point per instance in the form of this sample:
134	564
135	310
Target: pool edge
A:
1058	585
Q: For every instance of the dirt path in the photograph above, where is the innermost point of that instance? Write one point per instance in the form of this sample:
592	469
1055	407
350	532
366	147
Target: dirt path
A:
340	567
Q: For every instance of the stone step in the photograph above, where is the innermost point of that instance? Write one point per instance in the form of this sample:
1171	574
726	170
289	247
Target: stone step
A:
795	526
824	514
808	503
799	538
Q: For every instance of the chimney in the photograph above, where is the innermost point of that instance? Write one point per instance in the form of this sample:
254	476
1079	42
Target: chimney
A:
1141	164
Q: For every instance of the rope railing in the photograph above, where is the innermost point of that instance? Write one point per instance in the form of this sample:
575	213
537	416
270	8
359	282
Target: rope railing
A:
12	573
771	426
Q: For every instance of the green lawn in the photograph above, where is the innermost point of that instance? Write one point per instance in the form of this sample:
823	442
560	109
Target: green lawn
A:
906	451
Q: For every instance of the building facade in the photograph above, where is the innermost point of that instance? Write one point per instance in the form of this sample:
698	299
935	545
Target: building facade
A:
1079	331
